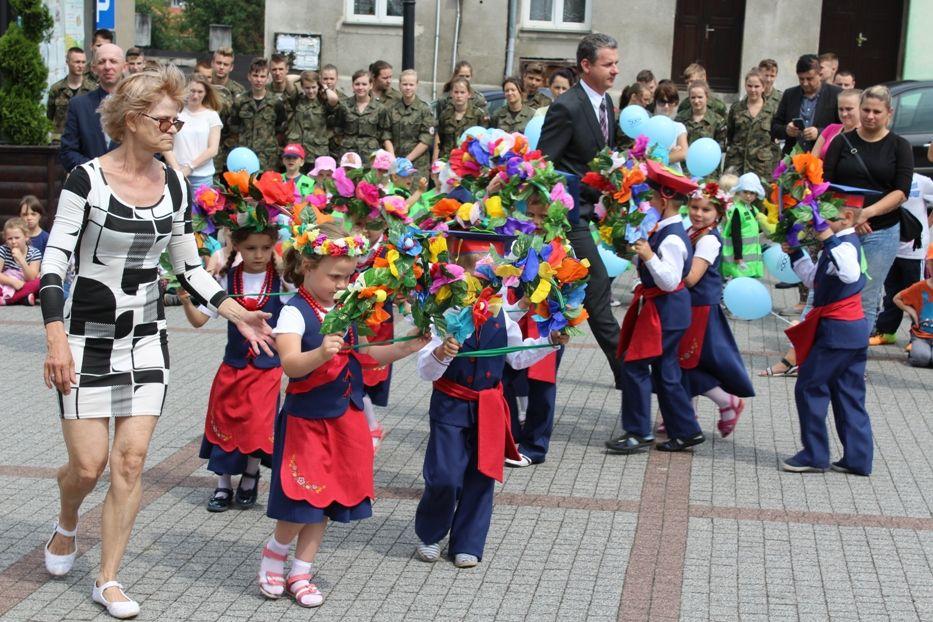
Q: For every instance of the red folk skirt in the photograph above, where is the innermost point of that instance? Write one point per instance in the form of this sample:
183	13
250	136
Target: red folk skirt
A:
241	409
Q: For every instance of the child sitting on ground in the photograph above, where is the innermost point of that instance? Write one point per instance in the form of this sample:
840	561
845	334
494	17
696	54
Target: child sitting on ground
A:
19	265
917	302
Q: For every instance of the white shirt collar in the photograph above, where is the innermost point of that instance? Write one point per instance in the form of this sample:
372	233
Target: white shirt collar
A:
847	231
595	98
670	220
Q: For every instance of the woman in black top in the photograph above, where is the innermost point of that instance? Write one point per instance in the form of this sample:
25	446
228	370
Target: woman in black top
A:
890	166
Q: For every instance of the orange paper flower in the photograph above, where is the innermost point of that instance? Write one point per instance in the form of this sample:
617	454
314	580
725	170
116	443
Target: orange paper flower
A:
788	199
274	190
445	208
571	270
576	321
238	180
809	166
377	317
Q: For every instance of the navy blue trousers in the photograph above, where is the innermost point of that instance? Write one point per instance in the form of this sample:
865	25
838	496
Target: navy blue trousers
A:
534	436
457	498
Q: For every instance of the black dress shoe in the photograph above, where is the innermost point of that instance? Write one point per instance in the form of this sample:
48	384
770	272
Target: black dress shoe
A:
247	498
221	501
629	443
680	444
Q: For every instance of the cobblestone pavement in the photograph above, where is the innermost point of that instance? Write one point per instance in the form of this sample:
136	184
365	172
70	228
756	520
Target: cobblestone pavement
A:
719	534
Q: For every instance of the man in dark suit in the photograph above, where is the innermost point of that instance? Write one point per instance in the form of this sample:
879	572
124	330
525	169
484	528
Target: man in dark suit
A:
814	103
83	138
579	124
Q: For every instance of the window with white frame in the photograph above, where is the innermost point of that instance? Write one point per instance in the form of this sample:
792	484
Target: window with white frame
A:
573	15
374	11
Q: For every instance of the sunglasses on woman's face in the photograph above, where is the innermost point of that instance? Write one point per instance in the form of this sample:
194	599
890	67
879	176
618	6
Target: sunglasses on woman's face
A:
166	123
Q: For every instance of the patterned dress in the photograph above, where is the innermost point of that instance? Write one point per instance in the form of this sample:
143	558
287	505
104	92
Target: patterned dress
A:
114	315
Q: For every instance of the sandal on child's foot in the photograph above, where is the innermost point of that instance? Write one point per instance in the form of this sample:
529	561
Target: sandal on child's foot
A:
272	583
680	444
246	499
727	427
221	501
789	370
304	592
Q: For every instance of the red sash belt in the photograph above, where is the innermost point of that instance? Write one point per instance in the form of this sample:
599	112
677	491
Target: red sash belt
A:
493	433
691	344
802	335
544	370
330	371
646	322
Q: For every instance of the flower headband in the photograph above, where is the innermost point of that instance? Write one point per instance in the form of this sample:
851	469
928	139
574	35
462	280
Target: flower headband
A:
310	241
711	190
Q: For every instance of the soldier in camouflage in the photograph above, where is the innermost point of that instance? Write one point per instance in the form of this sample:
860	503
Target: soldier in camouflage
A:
381	76
532	80
768	68
227	90
287	91
463	69
362	122
60	93
748	131
458	116
307	124
515	115
258	118
412	125
700	120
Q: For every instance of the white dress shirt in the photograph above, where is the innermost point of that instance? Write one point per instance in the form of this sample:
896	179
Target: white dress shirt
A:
596	100
667	265
845	262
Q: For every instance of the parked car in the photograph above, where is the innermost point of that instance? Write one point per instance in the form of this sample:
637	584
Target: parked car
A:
913	118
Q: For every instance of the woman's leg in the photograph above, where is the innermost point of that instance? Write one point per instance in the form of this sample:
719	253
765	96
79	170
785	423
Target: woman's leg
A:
127	457
87	442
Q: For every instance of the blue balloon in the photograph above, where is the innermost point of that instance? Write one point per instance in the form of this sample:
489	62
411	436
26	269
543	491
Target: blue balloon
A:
631	119
777	263
475	131
660	130
243	159
615	265
703	157
533	131
747	298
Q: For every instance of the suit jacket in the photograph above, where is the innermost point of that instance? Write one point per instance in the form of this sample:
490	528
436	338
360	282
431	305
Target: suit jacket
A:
571	138
83	138
789	109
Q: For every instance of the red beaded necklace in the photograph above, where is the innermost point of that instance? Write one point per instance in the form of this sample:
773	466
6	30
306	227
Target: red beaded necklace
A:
319	310
253	304
699	233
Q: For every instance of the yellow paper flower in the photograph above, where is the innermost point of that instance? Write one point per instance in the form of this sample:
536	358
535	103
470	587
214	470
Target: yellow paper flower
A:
507	270
495	305
541	291
474	286
437	245
606	234
494	207
463	213
545	270
391	257
380	295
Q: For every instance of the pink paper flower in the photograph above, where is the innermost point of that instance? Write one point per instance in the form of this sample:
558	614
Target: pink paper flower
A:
395	205
343	183
559	193
368	193
638	149
444	273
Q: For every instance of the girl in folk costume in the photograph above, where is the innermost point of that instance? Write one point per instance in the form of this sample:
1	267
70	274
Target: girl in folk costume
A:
245	393
322	462
469	418
709	356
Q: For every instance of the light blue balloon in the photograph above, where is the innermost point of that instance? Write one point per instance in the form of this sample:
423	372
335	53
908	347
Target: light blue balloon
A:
615	265
631	119
243	159
533	131
703	157
778	265
747	298
660	130
475	131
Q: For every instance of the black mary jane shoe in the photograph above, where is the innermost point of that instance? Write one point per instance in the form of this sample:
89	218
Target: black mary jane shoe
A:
221	501
680	444
246	499
629	443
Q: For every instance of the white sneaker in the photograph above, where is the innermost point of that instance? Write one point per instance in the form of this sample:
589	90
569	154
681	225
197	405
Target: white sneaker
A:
60	565
523	461
465	560
120	609
428	552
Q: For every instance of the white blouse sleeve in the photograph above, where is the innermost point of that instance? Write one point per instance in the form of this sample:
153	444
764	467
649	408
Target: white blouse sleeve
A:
707	249
290	322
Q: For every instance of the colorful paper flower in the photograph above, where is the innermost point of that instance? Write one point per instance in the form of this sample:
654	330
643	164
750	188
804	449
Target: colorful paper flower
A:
209	199
344	184
238	180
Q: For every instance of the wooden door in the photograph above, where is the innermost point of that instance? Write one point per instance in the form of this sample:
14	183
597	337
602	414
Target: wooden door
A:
709	32
866	35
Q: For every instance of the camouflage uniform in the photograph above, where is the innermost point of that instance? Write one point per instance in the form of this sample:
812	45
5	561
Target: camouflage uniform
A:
254	123
509	121
775	97
226	93
479	101
307	126
59	96
713	103
751	148
710	126
538	100
288	93
449	128
388	98
362	132
412	125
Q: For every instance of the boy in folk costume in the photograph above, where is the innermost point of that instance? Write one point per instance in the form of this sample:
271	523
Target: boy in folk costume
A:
654	325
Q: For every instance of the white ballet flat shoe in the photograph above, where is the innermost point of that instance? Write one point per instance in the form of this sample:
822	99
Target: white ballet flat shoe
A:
120	609
60	565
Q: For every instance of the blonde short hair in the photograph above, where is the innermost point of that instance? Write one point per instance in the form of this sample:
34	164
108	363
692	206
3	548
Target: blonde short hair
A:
879	92
137	94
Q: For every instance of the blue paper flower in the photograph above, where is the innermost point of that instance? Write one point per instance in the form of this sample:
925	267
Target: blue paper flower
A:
460	323
479	154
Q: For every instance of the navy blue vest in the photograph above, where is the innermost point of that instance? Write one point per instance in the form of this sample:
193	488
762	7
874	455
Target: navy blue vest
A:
829	288
708	290
673	308
330	400
478	373
236	352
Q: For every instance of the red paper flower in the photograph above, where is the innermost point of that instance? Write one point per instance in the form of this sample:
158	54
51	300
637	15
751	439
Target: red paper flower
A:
597	181
368	193
274	190
481	311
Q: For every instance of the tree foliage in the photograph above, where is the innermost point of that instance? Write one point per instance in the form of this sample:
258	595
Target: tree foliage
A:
245	16
22	115
169	32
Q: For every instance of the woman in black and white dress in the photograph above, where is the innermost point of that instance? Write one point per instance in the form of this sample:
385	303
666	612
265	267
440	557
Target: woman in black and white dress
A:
107	343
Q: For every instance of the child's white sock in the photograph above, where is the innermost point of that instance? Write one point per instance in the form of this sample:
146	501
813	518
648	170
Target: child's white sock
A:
370	411
252	467
724	401
223	481
275	566
300	567
522	403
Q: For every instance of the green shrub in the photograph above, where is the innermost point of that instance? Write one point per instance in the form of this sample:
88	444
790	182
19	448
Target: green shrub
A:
24	74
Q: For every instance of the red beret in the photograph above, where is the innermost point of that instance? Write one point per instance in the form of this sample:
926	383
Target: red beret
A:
666	178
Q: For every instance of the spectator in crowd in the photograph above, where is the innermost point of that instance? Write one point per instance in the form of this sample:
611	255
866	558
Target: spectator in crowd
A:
463	69
829	65
695	72
646	78
329	75
60	93
83	138
515	115
666	99
227	90
32	212
19	265
203	68
135	60
848	110
458	116
917	302
533	79
258	117
559	83
412	124
748	130
198	141
362	122
844	79
382	91
281	85
700	120
805	109
307	125
636	94
875	158
768	68
102	36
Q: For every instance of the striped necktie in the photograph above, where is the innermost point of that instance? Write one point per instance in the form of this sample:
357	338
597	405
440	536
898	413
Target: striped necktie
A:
604	121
